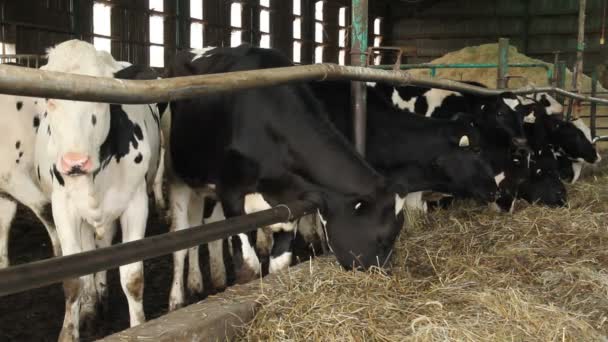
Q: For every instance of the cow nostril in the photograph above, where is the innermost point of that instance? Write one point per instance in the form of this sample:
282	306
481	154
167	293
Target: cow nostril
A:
75	161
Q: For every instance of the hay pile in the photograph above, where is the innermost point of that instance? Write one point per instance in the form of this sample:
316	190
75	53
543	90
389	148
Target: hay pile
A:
488	53
462	274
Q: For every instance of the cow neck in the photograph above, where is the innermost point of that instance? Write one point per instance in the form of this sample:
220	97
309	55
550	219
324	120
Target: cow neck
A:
321	153
417	177
496	154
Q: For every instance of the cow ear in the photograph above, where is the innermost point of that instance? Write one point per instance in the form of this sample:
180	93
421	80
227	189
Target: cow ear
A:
463	141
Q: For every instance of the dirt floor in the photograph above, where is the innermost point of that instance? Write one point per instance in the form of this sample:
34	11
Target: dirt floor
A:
37	315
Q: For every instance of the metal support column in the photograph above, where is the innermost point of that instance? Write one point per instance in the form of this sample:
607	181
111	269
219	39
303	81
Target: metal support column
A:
503	63
358	58
580	48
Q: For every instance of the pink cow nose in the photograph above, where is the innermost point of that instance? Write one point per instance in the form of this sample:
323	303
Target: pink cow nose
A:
75	163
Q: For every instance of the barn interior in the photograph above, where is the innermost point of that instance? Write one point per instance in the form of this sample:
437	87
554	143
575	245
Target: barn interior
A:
536	274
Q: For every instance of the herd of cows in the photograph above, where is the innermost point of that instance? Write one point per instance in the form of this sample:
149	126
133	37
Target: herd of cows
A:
84	167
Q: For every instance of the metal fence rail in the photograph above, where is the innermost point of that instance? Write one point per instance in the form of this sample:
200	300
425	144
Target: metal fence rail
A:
30	61
433	67
45	272
16	80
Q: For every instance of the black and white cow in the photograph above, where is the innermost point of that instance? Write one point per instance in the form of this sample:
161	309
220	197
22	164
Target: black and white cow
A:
18	176
574	146
502	137
428	154
544	186
272	145
570	140
96	162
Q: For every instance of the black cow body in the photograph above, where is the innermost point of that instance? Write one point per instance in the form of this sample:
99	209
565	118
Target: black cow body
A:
425	153
277	142
503	142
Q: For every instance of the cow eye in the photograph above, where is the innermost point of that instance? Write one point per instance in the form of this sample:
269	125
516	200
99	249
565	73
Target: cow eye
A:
358	205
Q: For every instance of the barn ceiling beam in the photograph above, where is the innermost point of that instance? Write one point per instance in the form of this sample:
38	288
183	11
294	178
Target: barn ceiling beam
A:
15	80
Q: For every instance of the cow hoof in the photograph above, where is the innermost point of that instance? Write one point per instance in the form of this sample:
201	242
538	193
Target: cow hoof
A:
4	262
175	304
195	283
219	282
68	334
245	274
89	325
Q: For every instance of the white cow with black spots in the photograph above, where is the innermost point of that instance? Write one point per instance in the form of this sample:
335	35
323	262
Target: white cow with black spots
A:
97	162
19	123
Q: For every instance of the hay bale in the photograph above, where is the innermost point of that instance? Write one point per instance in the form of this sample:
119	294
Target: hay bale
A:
488	53
462	274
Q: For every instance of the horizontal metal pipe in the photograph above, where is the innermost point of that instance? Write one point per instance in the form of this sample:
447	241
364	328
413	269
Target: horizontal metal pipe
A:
16	80
433	67
460	66
45	272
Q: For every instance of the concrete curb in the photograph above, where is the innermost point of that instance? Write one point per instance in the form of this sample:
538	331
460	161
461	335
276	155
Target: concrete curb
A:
216	318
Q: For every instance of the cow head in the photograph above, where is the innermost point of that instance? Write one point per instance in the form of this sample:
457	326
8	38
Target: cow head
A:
573	138
548	102
497	117
544	185
464	172
552	106
78	129
361	230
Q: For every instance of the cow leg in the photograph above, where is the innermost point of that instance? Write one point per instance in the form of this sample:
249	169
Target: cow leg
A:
195	218
25	191
8	209
88	296
280	257
320	233
263	245
133	223
245	260
179	199
101	283
216	254
158	182
68	231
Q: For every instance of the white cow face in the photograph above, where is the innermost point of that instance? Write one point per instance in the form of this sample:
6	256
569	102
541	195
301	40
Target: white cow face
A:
77	130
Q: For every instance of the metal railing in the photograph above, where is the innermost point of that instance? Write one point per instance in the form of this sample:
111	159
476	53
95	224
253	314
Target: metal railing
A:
41	83
433	67
30	61
45	272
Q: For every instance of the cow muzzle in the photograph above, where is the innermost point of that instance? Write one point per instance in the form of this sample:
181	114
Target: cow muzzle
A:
75	164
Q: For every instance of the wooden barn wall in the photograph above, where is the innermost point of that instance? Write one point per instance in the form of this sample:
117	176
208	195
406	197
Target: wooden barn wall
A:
536	27
37	24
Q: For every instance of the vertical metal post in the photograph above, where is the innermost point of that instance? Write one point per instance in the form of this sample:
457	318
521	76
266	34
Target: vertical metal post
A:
503	63
358	90
580	48
555	81
593	111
